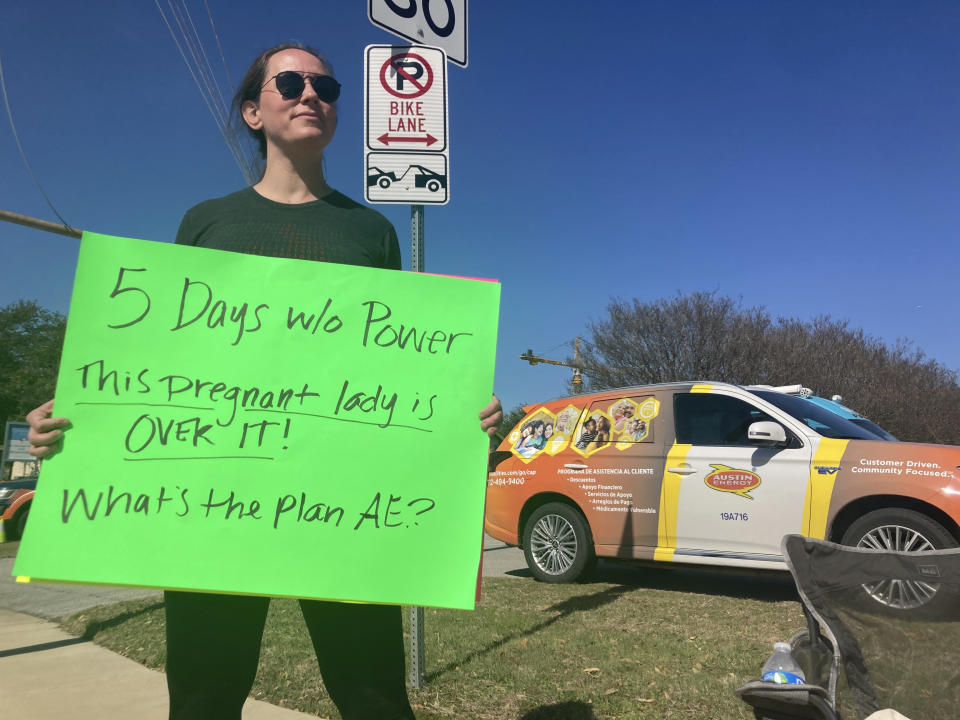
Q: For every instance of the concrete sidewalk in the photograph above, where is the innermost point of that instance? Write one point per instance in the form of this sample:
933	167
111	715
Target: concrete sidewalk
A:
46	674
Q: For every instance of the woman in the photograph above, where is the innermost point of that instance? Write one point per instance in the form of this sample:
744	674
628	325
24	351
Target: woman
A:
287	100
603	432
537	441
526	432
534	441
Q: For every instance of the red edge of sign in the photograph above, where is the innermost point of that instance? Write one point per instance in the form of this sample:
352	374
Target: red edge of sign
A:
457	277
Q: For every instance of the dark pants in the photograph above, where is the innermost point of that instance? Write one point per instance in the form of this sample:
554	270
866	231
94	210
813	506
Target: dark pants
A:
213	648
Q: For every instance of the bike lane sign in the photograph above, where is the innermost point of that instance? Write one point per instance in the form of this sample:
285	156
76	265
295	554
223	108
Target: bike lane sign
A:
406	150
406	98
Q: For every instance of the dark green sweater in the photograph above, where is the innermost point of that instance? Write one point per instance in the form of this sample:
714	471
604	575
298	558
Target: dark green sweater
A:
332	229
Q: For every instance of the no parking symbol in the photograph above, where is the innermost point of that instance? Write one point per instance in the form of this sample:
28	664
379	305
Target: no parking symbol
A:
406	75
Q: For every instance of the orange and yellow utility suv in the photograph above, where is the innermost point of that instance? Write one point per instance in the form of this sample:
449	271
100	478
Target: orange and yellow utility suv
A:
709	474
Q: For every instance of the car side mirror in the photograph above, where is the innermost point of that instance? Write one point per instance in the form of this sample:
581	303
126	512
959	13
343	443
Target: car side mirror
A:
766	434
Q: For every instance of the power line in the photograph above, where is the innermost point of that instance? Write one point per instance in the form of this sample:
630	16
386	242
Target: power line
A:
191	49
16	137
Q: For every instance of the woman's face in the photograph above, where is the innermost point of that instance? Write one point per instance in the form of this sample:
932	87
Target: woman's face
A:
548	430
304	122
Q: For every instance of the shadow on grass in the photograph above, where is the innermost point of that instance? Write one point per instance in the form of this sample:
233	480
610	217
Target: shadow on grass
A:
93	627
563	609
574	710
765	586
758	585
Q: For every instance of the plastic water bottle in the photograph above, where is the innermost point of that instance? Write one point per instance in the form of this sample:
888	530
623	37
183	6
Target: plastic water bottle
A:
782	668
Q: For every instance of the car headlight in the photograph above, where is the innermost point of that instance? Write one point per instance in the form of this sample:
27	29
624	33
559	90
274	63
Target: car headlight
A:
5	493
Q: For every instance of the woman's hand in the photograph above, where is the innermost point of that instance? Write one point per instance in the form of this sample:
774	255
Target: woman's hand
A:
490	417
45	434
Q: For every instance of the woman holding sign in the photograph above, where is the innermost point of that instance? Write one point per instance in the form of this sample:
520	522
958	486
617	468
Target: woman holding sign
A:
287	101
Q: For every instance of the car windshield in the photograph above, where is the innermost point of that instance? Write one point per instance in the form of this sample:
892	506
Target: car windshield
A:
874	428
853	416
815	417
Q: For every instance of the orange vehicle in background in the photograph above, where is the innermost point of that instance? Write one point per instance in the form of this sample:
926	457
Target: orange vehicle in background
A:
709	474
16	496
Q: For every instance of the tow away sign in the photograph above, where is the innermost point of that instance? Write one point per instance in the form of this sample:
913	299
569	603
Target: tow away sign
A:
405	125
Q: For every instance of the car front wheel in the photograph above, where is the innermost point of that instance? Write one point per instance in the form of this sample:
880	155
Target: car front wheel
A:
557	544
900	530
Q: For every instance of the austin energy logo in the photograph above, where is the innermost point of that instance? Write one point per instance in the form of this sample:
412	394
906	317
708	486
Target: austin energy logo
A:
731	480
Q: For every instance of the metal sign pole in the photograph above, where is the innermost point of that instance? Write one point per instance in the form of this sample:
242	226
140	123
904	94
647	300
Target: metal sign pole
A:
417	630
416	238
418	659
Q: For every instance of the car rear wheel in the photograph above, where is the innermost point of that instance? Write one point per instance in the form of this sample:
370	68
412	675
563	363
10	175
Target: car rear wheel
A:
384	182
557	544
903	531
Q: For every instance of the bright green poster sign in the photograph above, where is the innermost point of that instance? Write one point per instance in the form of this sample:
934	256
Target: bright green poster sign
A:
267	426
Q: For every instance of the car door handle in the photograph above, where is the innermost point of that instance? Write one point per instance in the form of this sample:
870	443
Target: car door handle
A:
575	466
685	470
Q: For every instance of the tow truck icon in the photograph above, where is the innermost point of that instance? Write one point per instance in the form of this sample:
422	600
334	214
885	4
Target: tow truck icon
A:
422	178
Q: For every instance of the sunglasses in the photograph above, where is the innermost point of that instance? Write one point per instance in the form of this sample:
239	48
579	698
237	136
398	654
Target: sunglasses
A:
291	84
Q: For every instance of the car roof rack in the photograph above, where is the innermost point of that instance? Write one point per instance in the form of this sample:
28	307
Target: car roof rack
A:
800	390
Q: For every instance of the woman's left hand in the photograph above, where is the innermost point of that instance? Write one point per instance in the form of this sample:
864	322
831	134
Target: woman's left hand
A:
491	416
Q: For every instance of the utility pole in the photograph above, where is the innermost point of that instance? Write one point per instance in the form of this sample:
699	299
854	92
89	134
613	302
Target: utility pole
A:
577	381
18	219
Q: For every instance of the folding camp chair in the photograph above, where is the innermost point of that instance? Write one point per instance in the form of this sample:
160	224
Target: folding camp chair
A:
889	620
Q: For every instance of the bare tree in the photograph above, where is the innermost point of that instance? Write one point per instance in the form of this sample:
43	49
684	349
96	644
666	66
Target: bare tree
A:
697	336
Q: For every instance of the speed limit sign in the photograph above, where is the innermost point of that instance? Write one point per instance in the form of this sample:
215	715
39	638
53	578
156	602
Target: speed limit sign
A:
438	23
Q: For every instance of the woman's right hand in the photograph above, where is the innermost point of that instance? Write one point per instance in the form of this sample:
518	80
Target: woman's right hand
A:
46	432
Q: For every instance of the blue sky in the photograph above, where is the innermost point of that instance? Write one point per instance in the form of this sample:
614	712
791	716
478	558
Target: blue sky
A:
801	156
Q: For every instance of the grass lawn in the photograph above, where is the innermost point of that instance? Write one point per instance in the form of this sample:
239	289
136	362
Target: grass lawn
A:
638	643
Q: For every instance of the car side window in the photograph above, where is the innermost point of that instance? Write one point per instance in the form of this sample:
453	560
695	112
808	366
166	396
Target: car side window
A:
712	419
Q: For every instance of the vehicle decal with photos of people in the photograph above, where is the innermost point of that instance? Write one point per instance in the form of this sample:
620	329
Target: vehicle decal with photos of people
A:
539	432
620	423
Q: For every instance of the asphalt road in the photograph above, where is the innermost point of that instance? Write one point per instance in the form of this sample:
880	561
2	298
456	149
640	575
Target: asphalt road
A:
53	600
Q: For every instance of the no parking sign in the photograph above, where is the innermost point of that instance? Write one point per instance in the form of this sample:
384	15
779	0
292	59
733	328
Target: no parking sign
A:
406	155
